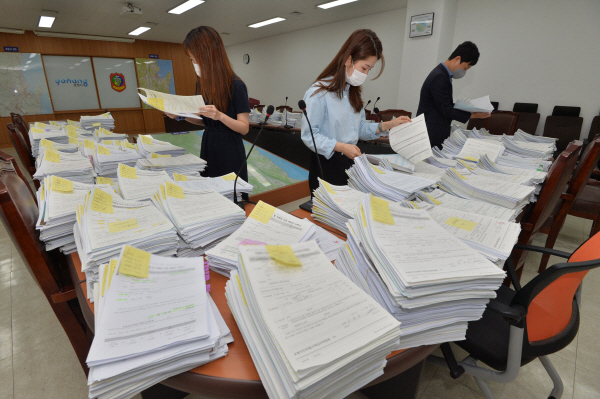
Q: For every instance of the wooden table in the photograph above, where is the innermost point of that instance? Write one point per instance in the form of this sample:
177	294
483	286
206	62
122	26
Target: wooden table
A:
235	376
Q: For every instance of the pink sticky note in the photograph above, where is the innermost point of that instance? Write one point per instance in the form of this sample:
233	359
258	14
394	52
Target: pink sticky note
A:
247	241
207	287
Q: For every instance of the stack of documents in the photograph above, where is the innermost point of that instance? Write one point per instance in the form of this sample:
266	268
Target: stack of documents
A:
222	184
200	217
528	149
72	167
475	148
508	195
53	135
62	148
520	135
335	205
113	183
294	119
255	116
147	145
101	134
107	157
105	223
168	324
186	106
58	199
441	162
538	164
188	164
428	279
467	168
395	186
535	175
395	161
265	225
311	332
139	185
91	123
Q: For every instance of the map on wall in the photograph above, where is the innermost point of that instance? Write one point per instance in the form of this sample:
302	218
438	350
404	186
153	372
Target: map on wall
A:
156	75
23	87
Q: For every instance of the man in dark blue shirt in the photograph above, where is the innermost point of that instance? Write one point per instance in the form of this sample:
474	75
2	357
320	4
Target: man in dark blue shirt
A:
436	100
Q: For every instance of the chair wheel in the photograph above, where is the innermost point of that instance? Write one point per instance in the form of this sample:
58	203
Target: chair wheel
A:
551	397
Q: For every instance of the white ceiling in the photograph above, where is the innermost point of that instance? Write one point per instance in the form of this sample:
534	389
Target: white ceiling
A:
103	17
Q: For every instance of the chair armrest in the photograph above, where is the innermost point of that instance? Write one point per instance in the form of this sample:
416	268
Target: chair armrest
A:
549	251
513	314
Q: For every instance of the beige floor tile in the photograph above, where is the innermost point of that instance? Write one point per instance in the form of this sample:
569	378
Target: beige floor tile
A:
570	351
6	379
49	370
442	385
5	266
6	346
5	255
587	384
23	287
588	346
5	297
33	323
590	298
293	206
17	261
428	372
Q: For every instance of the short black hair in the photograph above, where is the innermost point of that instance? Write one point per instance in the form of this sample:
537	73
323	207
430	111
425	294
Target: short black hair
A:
467	51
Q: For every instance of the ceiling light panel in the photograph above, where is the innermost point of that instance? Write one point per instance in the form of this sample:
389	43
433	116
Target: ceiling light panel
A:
139	31
335	3
188	5
267	22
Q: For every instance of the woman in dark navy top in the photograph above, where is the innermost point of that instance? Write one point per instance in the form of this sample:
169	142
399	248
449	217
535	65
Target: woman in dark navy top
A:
226	115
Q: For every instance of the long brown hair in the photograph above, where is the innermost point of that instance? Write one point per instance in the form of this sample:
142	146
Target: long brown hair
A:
205	45
361	44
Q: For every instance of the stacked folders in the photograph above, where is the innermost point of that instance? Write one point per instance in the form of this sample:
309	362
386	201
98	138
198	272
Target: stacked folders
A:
168	324
201	217
311	332
431	281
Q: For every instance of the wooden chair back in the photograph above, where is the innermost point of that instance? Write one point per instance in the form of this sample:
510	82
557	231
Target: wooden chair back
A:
388	114
502	122
4	158
18	141
19	214
18	120
528	122
476	123
564	128
253	102
259	107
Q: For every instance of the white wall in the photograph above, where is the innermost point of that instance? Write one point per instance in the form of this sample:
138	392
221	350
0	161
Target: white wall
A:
539	51
286	65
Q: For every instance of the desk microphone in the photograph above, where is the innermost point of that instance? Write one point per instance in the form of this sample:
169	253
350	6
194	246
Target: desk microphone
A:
302	106
376	102
368	102
286	126
270	110
365	108
376	110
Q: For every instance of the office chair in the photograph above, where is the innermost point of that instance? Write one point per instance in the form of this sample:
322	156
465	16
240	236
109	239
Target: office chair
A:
526	323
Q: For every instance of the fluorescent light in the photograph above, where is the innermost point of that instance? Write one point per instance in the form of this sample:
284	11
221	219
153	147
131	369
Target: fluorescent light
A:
188	5
335	3
46	22
138	31
85	37
267	22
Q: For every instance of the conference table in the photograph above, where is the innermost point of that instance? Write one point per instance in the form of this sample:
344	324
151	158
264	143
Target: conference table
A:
235	376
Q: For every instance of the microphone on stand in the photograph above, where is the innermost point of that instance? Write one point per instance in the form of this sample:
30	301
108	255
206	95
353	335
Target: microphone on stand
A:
368	102
376	101
376	111
307	206
270	110
286	126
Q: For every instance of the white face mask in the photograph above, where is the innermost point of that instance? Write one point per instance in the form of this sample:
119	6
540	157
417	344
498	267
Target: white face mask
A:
357	78
458	73
197	69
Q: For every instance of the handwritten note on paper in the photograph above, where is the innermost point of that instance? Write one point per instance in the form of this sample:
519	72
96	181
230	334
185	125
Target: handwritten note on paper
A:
103	150
247	241
52	156
174	191
461	223
104	180
46	143
179	177
116	227
127	172
283	254
160	156
146	140
262	212
157	103
60	184
102	202
89	144
380	209
135	262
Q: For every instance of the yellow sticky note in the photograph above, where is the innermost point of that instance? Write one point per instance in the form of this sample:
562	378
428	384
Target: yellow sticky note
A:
115	227
364	218
179	177
241	289
108	142
42	194
73	140
174	191
160	156
135	262
102	202
40	124
433	199
60	184
71	128
127	171
380	209
229	177
461	223
111	271
128	145
283	254
104	180
413	203
471	159
381	172
146	140
95	124
36	130
158	103
103	150
70	122
458	174
72	133
262	212
52	156
89	144
162	191
46	143
328	187
53	123
103	287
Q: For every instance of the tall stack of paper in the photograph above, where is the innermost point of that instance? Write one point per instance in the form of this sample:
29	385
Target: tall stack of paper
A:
467	168
520	135
536	176
62	148
168	325
222	184
310	331
89	122
113	183
138	184
188	164
429	280
265	225
525	163
108	156
528	149
474	149
201	217
100	134
294	119
58	199
72	167
395	186
147	145
55	135
335	205
105	223
396	161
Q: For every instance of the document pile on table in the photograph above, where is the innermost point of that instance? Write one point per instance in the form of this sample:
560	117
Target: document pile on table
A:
335	205
468	168
265	225
200	217
475	148
186	106
105	223
147	146
139	185
54	135
108	155
167	325
366	177
311	332
520	135
536	176
392	162
89	122
72	167
100	134
222	184
429	280
294	119
188	164
257	116
528	149
61	148
538	164
113	183
57	202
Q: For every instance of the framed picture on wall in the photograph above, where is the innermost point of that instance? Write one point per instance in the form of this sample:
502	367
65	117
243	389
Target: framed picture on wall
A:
421	25
117	82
